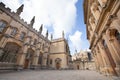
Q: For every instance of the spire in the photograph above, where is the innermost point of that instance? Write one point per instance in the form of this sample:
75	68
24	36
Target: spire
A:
51	36
47	34
20	9
62	34
32	21
41	28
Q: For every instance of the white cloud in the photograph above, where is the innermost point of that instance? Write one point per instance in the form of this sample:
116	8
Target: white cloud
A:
60	14
76	41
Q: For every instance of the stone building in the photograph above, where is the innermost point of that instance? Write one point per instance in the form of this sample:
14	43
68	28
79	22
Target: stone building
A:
59	55
83	60
23	47
102	19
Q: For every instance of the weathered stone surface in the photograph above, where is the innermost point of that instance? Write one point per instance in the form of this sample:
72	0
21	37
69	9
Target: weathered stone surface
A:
54	75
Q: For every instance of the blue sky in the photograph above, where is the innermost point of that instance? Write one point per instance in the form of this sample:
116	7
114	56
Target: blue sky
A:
56	16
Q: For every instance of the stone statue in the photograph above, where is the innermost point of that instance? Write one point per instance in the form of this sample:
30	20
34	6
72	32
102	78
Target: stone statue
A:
47	34
62	34
40	29
20	9
51	36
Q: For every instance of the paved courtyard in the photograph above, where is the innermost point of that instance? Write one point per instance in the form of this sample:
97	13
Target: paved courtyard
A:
53	75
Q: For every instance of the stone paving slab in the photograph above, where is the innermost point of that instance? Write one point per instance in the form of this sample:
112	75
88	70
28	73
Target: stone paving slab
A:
53	75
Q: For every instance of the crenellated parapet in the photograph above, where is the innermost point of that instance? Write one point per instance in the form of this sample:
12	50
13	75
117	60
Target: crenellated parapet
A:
16	17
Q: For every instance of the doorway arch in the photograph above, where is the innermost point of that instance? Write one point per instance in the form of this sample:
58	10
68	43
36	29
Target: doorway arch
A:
58	63
29	58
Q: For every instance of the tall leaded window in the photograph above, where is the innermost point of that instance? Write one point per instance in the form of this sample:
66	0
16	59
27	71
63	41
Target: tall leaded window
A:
14	31
50	61
22	36
117	35
10	53
104	44
35	41
2	25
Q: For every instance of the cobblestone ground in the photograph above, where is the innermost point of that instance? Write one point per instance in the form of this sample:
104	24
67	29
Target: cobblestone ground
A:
53	75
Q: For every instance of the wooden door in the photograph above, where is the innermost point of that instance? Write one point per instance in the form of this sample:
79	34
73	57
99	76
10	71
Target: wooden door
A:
26	64
57	65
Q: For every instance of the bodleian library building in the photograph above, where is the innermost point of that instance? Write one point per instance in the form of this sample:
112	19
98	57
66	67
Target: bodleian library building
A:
23	47
102	19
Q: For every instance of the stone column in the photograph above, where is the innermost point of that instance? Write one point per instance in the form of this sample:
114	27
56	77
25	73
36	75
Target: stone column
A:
45	59
35	59
105	58
100	61
116	46
112	51
97	60
21	57
97	63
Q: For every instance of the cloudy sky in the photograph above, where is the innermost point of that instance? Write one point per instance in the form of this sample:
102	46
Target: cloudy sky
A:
56	16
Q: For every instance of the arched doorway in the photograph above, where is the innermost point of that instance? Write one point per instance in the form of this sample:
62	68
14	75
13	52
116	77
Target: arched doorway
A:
78	67
29	58
10	53
40	59
58	63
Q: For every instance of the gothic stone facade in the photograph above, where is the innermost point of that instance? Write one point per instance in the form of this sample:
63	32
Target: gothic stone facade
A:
102	19
59	55
23	47
83	60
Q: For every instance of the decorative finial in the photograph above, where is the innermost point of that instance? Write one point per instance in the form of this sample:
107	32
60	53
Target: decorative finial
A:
41	28
51	36
62	34
20	9
47	34
32	21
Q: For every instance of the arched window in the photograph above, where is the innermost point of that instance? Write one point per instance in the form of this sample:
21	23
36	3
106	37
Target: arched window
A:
22	36
14	31
10	53
117	35
2	25
35	41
